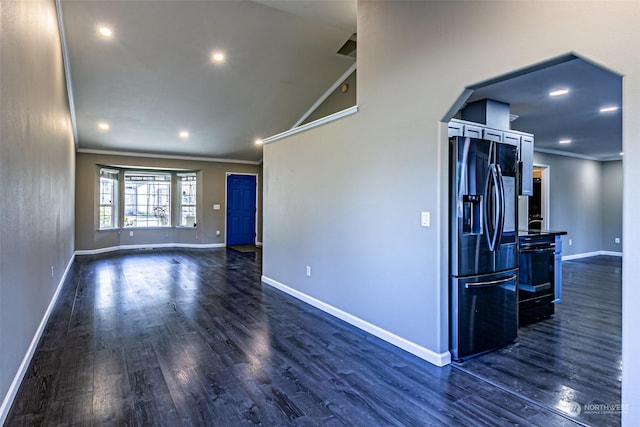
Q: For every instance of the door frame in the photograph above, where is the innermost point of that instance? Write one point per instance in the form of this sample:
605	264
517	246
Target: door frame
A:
226	204
545	198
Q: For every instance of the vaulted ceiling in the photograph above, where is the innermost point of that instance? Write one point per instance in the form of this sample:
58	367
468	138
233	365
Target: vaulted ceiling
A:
154	78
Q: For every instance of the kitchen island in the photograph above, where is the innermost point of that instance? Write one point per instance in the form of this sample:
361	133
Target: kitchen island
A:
540	275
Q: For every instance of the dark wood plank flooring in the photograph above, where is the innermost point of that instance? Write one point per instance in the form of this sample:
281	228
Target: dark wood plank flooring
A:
191	337
571	362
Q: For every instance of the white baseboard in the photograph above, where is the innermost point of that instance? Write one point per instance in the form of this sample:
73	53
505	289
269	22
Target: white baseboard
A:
611	253
438	359
590	254
149	246
26	360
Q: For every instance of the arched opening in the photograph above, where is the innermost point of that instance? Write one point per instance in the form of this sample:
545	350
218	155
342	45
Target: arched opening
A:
578	151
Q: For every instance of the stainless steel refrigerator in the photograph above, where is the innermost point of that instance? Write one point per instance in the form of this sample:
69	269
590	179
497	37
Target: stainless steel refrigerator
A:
483	246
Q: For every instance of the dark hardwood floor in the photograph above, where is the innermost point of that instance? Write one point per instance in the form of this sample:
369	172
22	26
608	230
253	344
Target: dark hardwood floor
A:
572	362
191	337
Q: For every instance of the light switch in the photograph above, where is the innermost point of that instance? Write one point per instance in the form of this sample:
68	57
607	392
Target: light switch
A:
216	207
425	219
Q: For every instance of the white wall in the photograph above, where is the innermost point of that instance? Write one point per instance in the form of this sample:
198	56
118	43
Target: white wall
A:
37	175
585	201
576	198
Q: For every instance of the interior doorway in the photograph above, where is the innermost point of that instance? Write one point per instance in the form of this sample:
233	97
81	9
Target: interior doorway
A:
538	203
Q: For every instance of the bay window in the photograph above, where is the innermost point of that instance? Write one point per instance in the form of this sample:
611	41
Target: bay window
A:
147	199
142	198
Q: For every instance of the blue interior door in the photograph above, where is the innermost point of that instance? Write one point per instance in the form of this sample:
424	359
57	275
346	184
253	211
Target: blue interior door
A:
241	209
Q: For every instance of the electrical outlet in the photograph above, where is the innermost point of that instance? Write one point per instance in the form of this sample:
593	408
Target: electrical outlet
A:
570	242
217	232
52	271
131	234
617	240
308	271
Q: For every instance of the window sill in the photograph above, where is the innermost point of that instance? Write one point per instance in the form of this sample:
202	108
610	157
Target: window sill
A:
155	227
163	227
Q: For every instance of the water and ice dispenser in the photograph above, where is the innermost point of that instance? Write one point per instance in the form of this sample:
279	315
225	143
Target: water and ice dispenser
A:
472	214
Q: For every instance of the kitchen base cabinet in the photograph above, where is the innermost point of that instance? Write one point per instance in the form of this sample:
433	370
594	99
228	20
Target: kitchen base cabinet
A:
539	286
533	309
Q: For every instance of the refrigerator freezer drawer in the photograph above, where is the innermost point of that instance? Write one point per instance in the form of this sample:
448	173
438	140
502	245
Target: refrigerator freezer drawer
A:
484	313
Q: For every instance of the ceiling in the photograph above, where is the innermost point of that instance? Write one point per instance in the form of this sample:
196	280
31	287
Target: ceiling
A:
575	116
154	78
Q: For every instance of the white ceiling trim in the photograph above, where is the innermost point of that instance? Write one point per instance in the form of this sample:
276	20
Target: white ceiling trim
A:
330	118
166	156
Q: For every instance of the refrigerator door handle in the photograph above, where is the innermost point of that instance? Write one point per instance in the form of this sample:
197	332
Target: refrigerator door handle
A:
501	202
492	148
491	283
493	227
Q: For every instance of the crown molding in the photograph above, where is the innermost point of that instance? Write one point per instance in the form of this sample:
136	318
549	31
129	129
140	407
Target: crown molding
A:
166	156
575	155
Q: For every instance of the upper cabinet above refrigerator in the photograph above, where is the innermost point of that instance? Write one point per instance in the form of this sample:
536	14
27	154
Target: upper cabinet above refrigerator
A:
526	162
524	142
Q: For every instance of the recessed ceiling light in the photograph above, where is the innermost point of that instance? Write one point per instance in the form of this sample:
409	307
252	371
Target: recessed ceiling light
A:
609	109
565	141
105	32
217	57
258	141
183	134
559	92
103	126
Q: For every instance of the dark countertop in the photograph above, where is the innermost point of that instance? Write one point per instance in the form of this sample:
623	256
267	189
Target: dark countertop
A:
526	233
